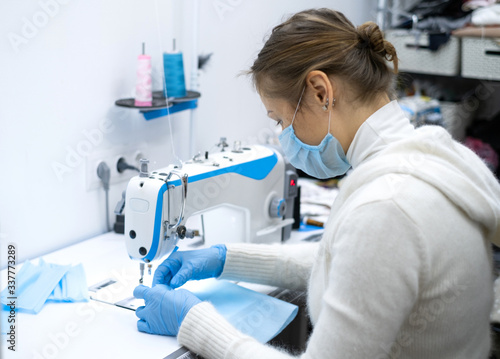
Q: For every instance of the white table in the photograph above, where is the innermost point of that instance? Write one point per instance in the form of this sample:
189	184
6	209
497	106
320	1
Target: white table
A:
94	329
89	329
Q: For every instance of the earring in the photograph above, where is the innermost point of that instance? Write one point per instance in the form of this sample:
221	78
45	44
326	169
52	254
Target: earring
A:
333	102
325	106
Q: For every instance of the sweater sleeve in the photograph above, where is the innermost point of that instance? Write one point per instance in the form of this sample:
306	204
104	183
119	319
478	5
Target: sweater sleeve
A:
374	277
284	266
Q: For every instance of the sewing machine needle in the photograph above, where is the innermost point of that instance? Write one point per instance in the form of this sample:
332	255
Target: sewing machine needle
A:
141	271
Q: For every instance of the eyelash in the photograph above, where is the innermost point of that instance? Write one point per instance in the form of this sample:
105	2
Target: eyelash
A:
279	123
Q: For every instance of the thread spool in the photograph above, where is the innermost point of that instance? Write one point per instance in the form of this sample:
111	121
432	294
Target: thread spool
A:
143	88
175	83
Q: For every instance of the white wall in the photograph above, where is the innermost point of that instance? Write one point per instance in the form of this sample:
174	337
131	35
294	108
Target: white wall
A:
63	64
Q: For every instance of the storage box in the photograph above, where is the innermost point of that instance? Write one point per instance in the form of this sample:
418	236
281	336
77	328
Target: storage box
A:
415	56
481	58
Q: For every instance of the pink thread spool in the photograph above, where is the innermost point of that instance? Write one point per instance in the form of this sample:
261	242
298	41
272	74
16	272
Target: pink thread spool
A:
143	88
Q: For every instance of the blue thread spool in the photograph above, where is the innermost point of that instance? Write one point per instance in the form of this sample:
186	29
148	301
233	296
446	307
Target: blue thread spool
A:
173	66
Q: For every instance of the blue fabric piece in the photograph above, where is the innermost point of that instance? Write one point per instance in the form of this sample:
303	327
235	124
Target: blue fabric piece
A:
255	314
72	287
307	227
35	284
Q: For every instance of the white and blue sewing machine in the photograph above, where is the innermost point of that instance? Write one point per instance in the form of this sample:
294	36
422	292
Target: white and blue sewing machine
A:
245	194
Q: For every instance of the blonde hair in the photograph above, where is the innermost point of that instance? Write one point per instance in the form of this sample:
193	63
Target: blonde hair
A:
325	40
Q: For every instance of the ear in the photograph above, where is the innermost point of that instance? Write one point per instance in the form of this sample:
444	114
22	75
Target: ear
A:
320	86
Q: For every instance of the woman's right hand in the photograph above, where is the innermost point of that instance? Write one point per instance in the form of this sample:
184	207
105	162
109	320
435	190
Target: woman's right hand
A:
182	266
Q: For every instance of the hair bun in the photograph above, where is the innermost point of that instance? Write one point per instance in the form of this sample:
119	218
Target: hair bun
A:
370	35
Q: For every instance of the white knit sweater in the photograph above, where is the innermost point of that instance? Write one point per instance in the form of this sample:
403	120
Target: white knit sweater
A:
403	269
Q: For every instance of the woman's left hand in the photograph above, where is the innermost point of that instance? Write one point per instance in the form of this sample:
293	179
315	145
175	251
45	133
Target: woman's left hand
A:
165	308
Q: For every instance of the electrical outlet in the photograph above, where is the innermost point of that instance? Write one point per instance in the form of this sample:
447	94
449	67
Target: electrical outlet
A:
111	157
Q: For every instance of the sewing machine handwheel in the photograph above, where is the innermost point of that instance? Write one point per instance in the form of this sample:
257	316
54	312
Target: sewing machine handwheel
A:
277	207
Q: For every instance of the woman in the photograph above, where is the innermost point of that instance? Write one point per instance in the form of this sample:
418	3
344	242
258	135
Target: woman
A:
404	265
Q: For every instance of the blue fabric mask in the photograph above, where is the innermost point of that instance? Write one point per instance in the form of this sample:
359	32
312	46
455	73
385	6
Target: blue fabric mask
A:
325	160
42	282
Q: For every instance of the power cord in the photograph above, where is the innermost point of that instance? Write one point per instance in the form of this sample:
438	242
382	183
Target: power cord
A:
122	165
104	173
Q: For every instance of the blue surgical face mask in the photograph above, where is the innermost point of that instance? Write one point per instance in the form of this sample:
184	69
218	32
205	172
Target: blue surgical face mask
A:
325	160
38	283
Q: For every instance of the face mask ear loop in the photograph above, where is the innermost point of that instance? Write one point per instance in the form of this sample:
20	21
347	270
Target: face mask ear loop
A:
329	118
298	104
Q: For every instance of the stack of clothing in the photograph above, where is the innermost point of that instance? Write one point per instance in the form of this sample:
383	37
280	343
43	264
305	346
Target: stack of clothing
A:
443	18
485	19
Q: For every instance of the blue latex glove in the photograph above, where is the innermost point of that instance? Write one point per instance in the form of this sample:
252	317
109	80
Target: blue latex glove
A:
182	266
165	309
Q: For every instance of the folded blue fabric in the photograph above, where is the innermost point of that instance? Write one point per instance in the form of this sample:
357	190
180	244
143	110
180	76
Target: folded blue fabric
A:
72	287
37	283
255	314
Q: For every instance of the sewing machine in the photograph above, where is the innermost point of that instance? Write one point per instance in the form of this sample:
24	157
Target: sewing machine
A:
249	190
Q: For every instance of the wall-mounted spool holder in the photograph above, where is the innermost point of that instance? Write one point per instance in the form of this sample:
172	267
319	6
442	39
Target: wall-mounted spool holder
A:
178	104
159	106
